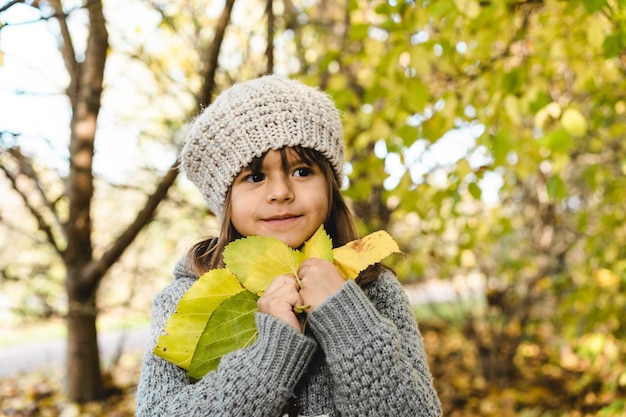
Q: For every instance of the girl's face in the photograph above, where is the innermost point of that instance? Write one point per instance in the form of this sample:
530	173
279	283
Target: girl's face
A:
285	201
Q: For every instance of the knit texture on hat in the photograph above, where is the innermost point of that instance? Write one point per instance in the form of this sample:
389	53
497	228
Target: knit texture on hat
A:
251	118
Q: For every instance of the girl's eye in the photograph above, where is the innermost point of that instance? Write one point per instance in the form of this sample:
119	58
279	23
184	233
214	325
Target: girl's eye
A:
302	172
255	177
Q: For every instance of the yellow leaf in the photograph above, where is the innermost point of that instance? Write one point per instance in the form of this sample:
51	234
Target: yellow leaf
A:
606	278
318	246
574	122
355	256
184	327
547	115
470	8
512	109
595	32
257	260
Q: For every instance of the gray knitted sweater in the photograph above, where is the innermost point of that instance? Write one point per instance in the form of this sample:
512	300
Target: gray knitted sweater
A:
362	355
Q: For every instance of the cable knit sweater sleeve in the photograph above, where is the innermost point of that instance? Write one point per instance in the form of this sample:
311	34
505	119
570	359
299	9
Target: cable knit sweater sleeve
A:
256	381
375	352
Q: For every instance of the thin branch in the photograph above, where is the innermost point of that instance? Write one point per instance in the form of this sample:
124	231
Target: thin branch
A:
10	4
26	168
96	270
212	55
41	222
67	47
269	52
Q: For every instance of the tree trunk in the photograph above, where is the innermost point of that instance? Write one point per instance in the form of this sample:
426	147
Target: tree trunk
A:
84	377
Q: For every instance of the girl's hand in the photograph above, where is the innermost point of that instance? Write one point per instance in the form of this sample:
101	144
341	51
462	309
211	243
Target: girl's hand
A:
280	298
320	279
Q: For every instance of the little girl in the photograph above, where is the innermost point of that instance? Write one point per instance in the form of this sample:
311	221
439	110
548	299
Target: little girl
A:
267	156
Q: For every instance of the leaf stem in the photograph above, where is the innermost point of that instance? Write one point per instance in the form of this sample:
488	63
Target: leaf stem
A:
298	281
300	309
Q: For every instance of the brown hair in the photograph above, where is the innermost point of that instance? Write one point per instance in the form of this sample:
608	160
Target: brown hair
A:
340	224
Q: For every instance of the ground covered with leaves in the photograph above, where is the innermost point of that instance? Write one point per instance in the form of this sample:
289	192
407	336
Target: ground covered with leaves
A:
42	394
539	388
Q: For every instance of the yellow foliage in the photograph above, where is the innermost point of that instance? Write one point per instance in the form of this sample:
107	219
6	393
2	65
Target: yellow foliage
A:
574	122
606	278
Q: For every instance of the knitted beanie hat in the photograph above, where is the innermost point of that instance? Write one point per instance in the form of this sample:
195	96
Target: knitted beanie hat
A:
251	118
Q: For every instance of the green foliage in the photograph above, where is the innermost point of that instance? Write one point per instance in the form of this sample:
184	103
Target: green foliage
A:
544	81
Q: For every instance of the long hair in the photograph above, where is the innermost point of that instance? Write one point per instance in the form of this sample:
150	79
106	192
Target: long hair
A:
340	225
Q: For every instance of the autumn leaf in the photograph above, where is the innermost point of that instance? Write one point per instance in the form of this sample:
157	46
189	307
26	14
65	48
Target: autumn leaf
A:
318	246
230	327
355	256
184	327
257	260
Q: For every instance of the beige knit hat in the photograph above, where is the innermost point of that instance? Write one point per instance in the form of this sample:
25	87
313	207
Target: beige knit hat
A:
251	118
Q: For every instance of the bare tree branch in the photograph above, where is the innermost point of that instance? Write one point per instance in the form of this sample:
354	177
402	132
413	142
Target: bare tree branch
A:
42	224
26	168
10	4
269	52
210	68
67	47
96	270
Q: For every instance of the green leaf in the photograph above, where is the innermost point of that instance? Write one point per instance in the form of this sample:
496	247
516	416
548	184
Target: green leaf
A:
230	327
593	6
513	81
556	188
414	96
184	327
474	190
612	46
502	142
358	31
258	260
409	134
558	140
435	127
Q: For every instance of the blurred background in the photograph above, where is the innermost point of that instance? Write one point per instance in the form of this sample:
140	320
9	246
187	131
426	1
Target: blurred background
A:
488	137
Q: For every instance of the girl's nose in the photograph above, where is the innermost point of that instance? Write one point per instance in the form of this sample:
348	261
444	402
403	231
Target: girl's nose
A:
279	189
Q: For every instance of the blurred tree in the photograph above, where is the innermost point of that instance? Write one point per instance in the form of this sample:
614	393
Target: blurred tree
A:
67	220
450	103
